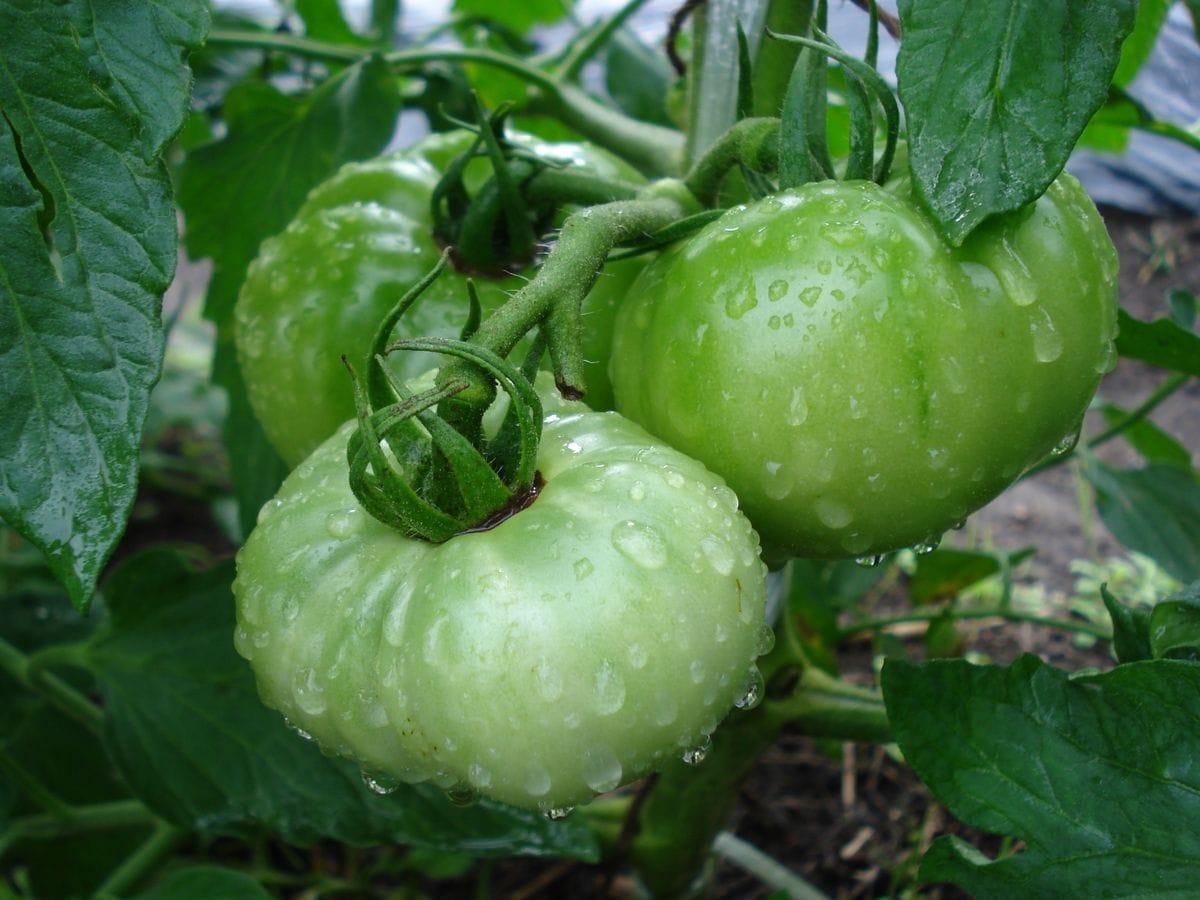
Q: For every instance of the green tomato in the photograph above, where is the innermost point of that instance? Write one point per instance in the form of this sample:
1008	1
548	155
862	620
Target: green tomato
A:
861	385
319	290
601	631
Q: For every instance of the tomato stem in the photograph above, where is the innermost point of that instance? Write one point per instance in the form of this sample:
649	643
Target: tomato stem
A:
751	142
50	686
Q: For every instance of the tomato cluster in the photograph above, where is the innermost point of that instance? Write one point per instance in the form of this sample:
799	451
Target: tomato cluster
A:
859	384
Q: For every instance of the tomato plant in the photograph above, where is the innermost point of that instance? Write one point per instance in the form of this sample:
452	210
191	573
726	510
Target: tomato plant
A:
853	308
361	239
873	385
583	641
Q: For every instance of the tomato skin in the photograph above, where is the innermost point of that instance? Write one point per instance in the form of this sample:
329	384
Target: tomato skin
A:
319	289
861	385
604	629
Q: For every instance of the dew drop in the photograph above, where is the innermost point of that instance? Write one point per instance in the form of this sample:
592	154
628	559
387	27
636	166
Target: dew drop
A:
697	671
637	491
666	709
764	640
558	813
738	303
777	480
810	295
696	755
675	480
753	692
777	290
309	692
1066	443
608	689
269	509
832	514
583	568
637	655
479	775
462	794
797	411
1107	360
601	769
343	523
549	681
1047	342
640	543
379	784
928	545
718	554
870	562
537	780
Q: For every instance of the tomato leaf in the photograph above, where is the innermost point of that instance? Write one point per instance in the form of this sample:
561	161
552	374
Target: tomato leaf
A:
89	96
1131	628
1096	774
637	77
1161	343
997	94
520	17
205	882
1175	625
946	572
1151	442
1154	510
188	732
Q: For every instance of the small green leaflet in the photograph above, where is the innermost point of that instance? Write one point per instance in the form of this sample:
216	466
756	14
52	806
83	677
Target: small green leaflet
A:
1096	774
90	92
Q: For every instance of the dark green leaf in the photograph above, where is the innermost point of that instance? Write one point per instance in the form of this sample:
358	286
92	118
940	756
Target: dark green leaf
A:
1161	343
1155	510
945	572
205	883
520	17
637	78
818	592
190	736
1154	444
1194	8
90	93
1096	774
1183	308
1175	625
1131	629
997	94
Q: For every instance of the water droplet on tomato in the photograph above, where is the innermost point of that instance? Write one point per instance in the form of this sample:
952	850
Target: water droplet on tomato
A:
601	769
1107	360
1067	442
640	543
832	513
777	290
637	491
637	655
549	681
537	780
479	776
871	561
928	545
697	671
797	411
764	640
583	568
753	693
269	509
462	794
342	524
740	302
309	692
666	709
1047	342
716	551
696	755
558	813
379	784
608	689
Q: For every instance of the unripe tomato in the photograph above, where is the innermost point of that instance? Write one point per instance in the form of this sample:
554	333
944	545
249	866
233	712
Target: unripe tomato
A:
605	628
859	383
362	239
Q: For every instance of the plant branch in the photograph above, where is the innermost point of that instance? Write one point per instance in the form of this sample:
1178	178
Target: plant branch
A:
142	861
753	142
995	612
77	820
769	871
51	687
